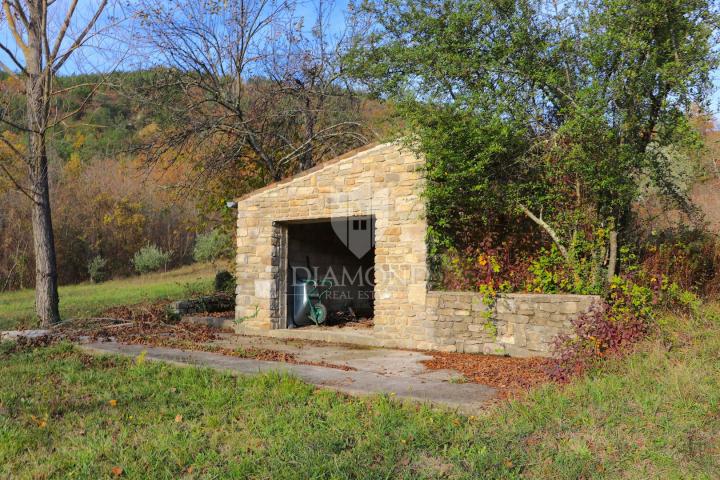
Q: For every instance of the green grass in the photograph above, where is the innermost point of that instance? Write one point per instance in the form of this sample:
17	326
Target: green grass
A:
17	309
653	415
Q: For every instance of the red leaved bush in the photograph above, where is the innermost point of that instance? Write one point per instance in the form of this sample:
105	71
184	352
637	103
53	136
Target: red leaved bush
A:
602	332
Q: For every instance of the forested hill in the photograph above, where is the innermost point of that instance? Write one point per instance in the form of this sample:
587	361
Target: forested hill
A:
108	119
117	186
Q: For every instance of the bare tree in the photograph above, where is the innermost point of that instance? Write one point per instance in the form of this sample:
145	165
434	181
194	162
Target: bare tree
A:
307	69
38	50
250	82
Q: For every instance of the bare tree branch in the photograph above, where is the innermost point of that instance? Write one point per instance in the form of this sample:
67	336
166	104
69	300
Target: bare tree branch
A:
278	100
78	109
548	229
52	54
13	27
80	38
14	59
21	14
17	185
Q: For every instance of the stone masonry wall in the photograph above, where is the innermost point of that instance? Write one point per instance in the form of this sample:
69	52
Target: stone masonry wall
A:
519	324
383	181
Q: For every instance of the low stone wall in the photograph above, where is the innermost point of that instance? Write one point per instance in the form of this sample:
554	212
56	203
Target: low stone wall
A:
519	325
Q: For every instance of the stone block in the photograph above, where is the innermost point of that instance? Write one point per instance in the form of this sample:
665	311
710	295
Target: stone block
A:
569	307
519	335
447	348
505	305
548	307
493	349
514	318
478	305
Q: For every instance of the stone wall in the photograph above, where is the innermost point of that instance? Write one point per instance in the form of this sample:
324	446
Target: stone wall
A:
518	325
384	182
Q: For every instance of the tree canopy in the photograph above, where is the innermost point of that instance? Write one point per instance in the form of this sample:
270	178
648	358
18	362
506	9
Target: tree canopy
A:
551	111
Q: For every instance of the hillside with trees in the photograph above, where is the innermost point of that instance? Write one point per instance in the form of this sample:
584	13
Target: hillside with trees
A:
115	191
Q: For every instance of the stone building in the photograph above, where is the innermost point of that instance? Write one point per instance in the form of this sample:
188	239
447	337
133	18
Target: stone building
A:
359	221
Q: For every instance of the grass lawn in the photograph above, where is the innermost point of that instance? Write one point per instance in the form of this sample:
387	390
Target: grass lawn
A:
65	414
17	309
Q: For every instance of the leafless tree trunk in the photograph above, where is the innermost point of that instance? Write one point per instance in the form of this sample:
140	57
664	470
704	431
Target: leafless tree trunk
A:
43	56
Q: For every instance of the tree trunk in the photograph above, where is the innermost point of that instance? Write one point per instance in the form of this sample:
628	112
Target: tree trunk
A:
612	259
46	282
37	85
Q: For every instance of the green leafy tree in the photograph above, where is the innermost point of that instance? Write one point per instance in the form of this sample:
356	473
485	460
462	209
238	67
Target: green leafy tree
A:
212	246
546	111
150	258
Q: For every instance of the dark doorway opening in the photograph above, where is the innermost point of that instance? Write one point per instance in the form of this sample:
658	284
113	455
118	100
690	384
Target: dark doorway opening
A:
340	253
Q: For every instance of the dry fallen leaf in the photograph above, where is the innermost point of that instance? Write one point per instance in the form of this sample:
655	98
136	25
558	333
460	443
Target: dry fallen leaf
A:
513	375
178	418
117	471
40	422
190	469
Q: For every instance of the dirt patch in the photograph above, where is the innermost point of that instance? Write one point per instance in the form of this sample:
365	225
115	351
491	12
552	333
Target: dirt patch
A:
511	376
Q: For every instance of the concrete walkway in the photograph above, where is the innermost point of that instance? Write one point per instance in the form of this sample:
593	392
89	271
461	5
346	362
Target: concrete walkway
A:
395	372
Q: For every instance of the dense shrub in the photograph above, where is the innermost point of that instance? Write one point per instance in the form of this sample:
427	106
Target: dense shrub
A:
582	274
625	317
491	263
212	246
608	329
599	335
150	259
97	269
224	282
689	259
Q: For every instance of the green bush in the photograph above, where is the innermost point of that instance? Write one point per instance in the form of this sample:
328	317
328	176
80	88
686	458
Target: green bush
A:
211	246
224	282
97	269
150	259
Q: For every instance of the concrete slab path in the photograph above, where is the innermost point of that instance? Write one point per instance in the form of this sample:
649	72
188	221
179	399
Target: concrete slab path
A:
395	372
